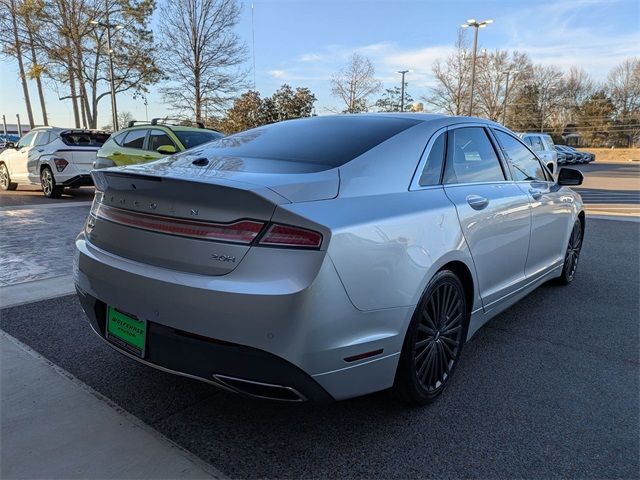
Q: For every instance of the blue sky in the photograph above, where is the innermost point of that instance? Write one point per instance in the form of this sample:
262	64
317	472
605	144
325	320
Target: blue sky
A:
302	42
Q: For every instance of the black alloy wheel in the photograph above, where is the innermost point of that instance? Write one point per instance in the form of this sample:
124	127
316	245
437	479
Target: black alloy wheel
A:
434	341
573	254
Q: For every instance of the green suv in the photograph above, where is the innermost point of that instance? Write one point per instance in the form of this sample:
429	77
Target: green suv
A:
150	141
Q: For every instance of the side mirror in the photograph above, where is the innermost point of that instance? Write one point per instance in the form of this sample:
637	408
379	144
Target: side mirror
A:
166	149
9	145
570	177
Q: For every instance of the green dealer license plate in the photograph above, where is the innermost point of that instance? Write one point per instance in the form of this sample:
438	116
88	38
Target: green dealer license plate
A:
126	331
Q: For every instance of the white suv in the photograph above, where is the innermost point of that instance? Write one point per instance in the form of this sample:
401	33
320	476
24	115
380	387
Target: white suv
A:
542	145
54	158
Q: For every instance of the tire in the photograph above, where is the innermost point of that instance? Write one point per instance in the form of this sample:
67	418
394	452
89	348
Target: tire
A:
572	254
5	179
48	184
433	346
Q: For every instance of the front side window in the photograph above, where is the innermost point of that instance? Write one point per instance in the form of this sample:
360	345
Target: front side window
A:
134	139
433	168
471	157
26	140
157	139
525	165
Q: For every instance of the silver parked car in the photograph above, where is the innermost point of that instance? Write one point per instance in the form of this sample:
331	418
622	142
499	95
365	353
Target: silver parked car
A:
543	146
324	258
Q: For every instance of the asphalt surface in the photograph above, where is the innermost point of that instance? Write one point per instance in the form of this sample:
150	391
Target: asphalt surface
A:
32	195
611	188
549	388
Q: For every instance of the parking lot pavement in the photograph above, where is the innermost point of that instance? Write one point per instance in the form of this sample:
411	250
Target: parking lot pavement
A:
32	195
549	388
611	188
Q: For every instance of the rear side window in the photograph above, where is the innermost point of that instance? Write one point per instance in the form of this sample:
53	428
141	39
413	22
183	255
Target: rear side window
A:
157	139
536	144
84	138
525	165
471	157
42	139
134	139
327	142
433	167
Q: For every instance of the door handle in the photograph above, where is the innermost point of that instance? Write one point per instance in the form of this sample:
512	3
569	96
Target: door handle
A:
536	194
477	202
116	153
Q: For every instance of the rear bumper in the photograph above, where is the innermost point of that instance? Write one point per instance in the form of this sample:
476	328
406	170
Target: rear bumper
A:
229	366
78	181
289	332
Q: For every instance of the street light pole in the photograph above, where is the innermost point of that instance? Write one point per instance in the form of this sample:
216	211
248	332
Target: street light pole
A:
108	26
403	73
476	25
506	94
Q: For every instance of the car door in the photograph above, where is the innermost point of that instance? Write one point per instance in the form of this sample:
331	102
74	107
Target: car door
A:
37	149
157	138
17	161
550	208
493	212
132	149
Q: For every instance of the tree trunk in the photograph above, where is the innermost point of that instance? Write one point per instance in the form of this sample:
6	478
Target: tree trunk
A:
74	97
23	77
34	61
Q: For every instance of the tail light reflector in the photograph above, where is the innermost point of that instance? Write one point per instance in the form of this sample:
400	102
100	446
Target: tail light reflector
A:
288	236
61	164
241	231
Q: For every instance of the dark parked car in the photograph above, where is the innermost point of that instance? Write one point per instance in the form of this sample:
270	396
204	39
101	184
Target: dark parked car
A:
566	156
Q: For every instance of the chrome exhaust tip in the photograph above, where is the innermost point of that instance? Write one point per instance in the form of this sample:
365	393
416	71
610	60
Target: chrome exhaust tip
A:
268	391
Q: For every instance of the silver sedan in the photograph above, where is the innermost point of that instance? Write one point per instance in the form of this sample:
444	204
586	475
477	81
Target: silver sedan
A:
324	258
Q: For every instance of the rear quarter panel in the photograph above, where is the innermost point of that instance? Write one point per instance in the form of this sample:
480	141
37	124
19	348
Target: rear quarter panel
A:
386	248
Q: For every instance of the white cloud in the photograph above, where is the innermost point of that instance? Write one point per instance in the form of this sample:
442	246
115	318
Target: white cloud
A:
281	74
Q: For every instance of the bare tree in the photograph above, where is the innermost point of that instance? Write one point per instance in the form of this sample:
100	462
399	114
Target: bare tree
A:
12	46
624	88
491	80
451	92
355	83
30	13
206	54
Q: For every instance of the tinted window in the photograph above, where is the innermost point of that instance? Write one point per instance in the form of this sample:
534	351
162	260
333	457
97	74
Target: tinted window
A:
326	141
83	138
119	138
528	141
42	139
536	144
193	138
548	141
134	139
525	164
26	140
433	167
471	157
158	138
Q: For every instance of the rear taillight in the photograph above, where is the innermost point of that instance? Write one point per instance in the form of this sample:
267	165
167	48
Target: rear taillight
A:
242	231
61	164
288	236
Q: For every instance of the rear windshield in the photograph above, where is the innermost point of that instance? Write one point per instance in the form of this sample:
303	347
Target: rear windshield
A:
191	138
84	139
328	141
